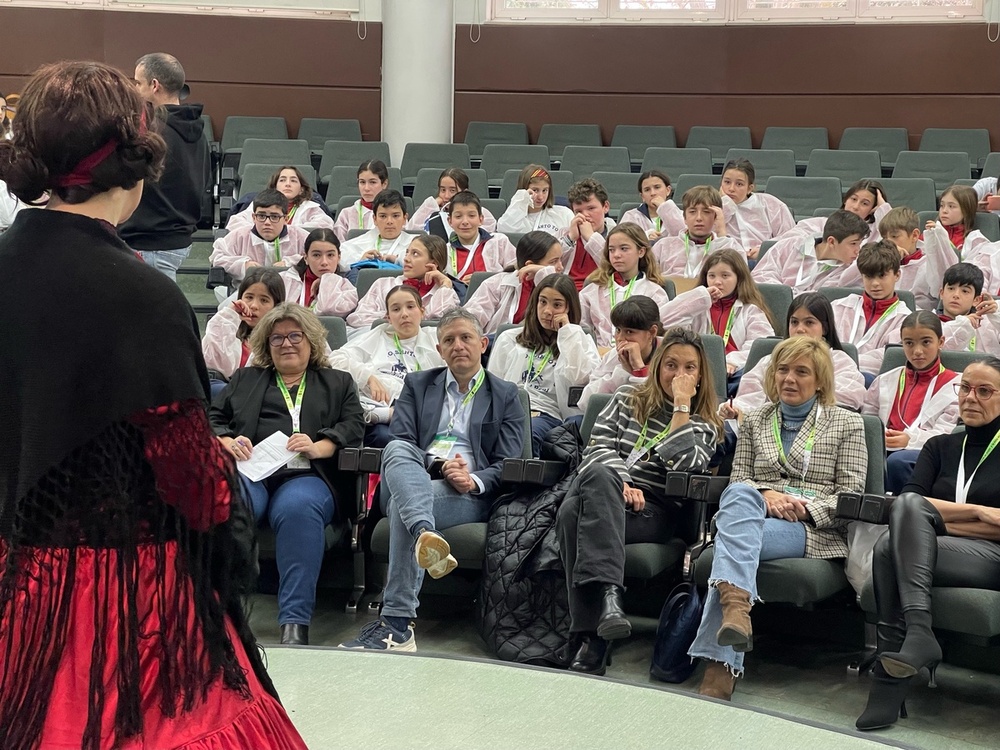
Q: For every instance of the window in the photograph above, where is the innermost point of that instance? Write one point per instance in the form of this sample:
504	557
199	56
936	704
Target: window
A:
320	9
738	10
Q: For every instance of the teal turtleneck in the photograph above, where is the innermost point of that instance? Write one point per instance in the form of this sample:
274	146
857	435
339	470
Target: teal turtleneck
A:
792	419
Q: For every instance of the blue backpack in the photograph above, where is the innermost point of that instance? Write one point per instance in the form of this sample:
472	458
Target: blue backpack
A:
679	621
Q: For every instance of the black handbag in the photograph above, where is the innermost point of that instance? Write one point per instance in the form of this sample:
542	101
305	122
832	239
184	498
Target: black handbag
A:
679	621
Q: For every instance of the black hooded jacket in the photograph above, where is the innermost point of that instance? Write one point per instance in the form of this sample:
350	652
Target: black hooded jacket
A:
171	208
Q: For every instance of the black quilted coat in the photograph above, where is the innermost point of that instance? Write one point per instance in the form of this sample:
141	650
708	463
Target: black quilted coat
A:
523	613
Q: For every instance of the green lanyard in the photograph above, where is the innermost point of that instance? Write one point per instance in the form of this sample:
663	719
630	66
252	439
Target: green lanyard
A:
687	245
531	366
277	249
291	214
465	401
729	325
612	286
402	359
972	344
807	453
657	223
961	486
294	409
361	216
643	448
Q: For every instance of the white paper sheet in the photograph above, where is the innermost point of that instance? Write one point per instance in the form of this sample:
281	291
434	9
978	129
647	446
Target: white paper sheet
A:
268	456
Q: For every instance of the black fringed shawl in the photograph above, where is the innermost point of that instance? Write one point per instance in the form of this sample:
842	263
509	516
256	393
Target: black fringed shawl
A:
105	443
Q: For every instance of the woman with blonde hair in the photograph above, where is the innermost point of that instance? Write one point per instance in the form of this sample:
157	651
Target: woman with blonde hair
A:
292	390
793	457
668	423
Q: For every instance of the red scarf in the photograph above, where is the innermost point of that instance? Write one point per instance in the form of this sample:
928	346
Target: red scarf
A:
916	255
368	204
527	287
875	308
719	313
956	233
422	288
244	353
906	406
308	280
583	265
462	256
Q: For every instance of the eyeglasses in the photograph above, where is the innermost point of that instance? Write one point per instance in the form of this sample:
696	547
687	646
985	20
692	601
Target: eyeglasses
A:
278	339
983	392
273	218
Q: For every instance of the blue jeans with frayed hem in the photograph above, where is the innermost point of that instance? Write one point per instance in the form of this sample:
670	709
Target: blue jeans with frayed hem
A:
745	537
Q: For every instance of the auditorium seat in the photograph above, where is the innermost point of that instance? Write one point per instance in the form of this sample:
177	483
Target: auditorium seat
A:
919	193
678	161
887	141
318	130
944	167
350	154
276	152
583	161
637	138
766	162
847	166
417	156
620	186
685	181
558	136
778	298
975	142
497	158
479	134
718	140
803	141
238	128
803	195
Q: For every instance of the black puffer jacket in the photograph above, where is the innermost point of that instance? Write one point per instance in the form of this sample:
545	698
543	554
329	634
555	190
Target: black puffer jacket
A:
523	613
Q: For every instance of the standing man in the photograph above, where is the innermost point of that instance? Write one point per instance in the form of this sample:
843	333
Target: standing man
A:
162	226
452	427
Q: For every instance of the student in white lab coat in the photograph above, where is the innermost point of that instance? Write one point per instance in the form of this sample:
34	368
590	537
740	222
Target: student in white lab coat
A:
865	198
916	401
549	355
315	282
584	239
269	242
373	178
532	207
381	358
386	241
471	247
704	231
955	230
971	322
922	266
871	320
431	216
756	217
303	211
654	191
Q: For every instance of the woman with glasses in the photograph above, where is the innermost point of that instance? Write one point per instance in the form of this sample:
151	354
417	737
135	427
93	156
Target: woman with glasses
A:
944	530
292	390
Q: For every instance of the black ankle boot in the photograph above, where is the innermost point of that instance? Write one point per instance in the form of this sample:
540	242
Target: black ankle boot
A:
920	648
613	624
295	635
886	701
593	656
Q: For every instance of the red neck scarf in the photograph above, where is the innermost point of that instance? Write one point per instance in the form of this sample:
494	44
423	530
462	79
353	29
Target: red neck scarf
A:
244	353
583	265
915	255
875	308
309	279
527	287
462	257
719	313
422	288
906	405
956	233
368	204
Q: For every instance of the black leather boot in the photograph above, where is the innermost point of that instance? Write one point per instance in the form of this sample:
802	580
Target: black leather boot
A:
886	701
295	635
593	656
613	624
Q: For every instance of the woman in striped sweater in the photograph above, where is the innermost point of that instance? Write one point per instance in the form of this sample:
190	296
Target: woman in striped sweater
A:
668	423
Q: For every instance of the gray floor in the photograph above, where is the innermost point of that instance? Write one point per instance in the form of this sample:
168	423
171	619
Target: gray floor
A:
797	677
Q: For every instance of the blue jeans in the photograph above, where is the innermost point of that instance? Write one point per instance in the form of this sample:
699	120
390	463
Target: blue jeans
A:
540	427
744	538
412	499
898	469
166	261
298	511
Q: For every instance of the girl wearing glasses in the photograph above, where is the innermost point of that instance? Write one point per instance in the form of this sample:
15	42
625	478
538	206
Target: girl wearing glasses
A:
916	401
380	359
292	390
944	530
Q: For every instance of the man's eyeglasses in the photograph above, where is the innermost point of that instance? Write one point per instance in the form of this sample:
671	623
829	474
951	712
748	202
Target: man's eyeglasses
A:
278	339
983	392
273	218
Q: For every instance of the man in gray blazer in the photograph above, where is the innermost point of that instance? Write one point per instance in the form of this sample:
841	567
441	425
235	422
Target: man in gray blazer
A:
452	427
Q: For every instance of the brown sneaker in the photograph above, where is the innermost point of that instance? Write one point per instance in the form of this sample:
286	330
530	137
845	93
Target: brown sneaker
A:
434	554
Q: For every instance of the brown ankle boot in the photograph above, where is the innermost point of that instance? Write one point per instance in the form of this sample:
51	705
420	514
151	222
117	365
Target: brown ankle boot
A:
717	682
736	630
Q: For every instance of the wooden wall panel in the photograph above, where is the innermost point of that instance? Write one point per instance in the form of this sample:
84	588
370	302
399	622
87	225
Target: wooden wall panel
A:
837	76
236	66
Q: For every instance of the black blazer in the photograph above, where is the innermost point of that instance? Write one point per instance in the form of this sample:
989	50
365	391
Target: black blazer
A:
496	424
330	409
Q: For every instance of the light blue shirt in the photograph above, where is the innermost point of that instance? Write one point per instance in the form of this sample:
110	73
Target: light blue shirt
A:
463	419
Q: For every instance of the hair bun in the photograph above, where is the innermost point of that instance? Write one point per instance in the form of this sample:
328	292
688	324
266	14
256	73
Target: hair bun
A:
26	176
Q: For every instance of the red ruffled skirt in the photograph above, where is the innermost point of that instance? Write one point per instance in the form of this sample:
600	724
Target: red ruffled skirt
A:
225	720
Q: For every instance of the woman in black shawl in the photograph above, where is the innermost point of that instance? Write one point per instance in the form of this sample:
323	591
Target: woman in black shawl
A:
121	561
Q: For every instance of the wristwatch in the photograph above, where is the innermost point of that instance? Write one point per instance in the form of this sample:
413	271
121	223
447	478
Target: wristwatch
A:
683	409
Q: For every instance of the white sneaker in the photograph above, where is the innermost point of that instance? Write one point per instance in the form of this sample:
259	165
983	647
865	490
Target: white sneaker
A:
434	554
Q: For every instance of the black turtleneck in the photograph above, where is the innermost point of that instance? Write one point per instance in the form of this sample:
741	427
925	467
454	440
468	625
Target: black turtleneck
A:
937	466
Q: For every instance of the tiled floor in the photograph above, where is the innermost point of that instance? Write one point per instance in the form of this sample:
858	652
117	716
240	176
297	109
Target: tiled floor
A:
796	676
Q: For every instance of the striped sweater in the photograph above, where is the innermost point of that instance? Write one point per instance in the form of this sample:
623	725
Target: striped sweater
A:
616	432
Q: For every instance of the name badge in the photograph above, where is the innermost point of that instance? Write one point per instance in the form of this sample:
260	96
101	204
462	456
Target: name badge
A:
634	457
442	446
803	495
299	462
